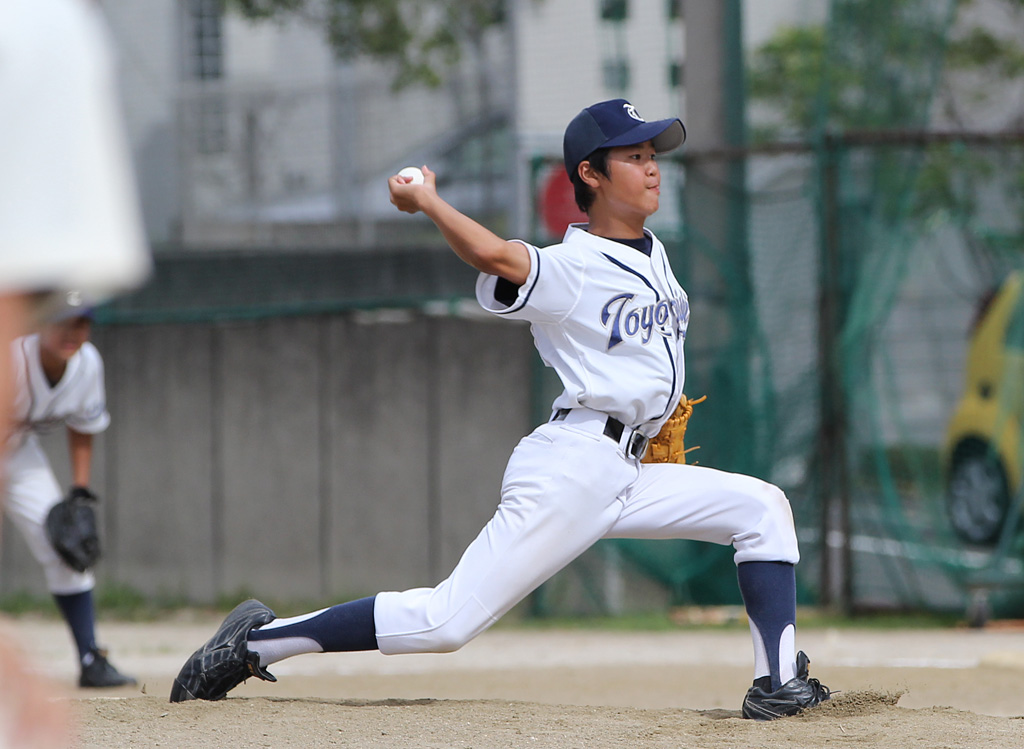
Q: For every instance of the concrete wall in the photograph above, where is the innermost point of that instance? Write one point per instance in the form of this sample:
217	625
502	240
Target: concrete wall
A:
297	457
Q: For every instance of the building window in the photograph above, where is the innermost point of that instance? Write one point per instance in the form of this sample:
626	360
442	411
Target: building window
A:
614	10
615	63
616	75
674	9
675	74
207	39
206	63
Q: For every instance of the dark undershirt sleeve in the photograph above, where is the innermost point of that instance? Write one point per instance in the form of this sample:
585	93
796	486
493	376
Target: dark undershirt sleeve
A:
505	291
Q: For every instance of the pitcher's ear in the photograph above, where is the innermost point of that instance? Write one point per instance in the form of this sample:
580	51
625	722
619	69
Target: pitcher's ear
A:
588	174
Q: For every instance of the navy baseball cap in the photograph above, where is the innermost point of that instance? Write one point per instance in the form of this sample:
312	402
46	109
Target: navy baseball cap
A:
616	123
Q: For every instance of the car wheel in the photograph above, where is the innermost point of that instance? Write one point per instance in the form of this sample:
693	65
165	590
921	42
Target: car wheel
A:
978	496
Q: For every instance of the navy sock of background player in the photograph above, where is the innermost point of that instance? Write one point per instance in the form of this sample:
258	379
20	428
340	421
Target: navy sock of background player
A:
768	587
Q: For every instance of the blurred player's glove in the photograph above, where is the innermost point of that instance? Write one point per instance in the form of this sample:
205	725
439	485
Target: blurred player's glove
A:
667	445
71	526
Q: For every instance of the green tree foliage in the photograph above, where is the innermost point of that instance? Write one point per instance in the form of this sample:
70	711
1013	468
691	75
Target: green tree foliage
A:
420	38
786	76
869	68
885	65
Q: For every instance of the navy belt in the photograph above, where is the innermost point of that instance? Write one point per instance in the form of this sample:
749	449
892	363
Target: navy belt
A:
636	443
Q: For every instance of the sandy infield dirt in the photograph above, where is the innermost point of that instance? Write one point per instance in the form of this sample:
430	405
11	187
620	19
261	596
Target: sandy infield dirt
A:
579	689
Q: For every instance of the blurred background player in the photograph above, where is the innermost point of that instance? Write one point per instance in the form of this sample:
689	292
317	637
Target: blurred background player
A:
58	377
608	315
69	219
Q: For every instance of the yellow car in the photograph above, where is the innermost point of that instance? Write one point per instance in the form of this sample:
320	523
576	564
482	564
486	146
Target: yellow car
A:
982	451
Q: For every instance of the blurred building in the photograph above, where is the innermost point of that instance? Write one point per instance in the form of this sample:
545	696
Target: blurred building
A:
252	135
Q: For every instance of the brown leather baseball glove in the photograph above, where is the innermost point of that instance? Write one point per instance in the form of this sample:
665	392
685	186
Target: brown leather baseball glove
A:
667	445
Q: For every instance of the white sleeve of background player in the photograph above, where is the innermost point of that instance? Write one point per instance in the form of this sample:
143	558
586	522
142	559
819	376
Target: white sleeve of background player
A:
91	417
551	291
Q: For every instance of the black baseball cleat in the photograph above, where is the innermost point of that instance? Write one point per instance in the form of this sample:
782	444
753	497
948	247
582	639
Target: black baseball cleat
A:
799	693
97	671
225	661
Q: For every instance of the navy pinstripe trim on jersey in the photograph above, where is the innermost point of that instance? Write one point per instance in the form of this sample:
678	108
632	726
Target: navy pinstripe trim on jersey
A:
668	274
657	298
664	264
668	350
534	255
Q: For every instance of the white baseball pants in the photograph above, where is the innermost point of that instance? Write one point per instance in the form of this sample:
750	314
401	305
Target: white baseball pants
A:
32	490
566	486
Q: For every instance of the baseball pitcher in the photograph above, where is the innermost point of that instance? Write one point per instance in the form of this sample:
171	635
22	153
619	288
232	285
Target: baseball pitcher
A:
608	315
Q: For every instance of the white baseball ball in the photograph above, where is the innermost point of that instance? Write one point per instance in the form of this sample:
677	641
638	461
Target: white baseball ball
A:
414	172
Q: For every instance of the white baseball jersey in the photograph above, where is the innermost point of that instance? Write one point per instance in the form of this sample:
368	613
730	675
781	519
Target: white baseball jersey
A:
77	401
610	320
69	217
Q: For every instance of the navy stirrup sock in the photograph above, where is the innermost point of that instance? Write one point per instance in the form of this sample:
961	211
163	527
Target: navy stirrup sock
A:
769	595
342	628
79	613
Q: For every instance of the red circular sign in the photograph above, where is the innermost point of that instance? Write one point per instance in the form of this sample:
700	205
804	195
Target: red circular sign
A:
557	204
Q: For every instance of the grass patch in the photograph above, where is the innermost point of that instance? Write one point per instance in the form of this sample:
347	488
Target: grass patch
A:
21	603
894	619
124	603
655	621
726	618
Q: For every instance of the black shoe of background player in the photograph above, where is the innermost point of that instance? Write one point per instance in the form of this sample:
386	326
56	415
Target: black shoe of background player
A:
799	693
224	661
97	671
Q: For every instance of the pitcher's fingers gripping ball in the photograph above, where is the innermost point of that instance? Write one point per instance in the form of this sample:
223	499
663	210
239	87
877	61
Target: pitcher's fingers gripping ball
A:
410	186
413	175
